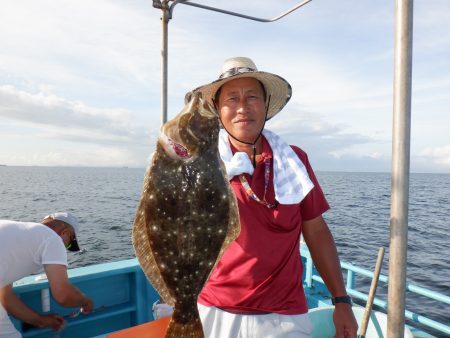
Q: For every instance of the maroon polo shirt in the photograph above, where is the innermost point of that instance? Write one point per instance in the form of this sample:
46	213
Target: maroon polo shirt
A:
261	271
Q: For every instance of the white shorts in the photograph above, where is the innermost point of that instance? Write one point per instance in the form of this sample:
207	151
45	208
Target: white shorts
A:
221	324
7	329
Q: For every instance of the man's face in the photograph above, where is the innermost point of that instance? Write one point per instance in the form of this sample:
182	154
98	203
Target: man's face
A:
242	108
67	234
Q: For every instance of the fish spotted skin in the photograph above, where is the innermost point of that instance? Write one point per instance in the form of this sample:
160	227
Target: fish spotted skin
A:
187	214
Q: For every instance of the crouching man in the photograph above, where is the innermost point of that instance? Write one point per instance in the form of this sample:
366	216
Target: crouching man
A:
27	247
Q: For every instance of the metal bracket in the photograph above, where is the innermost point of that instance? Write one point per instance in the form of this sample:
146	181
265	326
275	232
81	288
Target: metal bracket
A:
186	2
157	4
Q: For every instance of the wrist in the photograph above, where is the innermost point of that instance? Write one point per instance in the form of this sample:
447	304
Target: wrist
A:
38	321
342	300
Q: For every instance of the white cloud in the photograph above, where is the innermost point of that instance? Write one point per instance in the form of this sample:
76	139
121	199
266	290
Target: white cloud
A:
98	157
314	134
65	44
440	156
68	118
44	129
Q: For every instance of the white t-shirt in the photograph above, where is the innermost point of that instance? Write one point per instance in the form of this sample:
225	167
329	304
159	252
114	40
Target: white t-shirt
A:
25	247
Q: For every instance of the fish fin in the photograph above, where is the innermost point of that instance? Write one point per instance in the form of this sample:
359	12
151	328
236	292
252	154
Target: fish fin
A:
188	330
143	250
234	225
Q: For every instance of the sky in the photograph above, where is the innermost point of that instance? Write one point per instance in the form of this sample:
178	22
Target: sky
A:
80	81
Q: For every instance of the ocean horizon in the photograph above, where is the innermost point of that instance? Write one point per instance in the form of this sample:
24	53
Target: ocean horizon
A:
143	168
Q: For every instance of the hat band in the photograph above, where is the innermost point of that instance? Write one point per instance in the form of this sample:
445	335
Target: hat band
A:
236	70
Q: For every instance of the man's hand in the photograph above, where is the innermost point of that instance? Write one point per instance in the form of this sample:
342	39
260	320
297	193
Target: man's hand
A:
51	321
63	291
21	311
87	306
344	321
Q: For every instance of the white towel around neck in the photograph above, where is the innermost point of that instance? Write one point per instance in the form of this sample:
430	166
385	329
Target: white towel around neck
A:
291	180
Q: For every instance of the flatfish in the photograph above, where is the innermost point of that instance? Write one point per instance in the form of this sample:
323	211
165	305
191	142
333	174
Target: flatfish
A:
187	215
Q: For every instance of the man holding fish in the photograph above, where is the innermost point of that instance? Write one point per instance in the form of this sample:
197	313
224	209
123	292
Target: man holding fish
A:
256	288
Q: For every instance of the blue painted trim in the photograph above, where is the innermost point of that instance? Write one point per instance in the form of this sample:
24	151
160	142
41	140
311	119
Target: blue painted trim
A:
313	280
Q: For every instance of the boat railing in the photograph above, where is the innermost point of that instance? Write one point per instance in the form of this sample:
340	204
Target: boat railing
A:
124	298
351	271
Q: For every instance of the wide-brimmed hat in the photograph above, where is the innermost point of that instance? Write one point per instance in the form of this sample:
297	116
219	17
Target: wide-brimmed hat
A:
278	90
70	219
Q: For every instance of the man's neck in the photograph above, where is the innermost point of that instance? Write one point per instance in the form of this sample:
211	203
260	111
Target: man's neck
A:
248	148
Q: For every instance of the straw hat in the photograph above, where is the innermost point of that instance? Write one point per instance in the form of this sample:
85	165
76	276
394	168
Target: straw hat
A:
277	88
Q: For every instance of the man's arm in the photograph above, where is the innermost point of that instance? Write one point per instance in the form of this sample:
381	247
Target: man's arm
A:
18	309
324	254
63	291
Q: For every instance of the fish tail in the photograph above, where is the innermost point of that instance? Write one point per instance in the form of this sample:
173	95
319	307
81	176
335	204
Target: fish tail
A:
192	329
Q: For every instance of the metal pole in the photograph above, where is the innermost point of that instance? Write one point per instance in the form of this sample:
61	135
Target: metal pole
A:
400	167
165	28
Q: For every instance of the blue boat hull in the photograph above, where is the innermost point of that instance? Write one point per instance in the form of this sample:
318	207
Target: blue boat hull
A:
124	298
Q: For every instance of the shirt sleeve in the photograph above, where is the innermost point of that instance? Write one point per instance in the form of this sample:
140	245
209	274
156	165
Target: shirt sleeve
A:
54	252
315	203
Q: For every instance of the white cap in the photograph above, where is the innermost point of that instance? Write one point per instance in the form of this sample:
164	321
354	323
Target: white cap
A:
70	219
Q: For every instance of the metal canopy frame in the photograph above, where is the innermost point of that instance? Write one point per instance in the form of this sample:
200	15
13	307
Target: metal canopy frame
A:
244	16
167	11
401	134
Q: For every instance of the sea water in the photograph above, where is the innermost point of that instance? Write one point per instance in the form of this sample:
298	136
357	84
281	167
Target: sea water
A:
105	202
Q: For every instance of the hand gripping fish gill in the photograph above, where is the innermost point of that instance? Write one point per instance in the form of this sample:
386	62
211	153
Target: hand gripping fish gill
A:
187	214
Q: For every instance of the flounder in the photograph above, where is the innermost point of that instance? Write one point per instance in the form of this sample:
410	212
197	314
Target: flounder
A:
187	214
